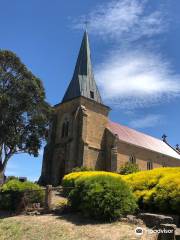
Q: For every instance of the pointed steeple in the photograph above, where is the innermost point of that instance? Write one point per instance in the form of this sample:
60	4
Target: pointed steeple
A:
83	82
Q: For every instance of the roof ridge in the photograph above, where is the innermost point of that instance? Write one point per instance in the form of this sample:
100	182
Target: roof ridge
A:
140	139
172	147
132	129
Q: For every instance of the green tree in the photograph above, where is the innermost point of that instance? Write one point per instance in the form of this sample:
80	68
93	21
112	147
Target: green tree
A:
24	113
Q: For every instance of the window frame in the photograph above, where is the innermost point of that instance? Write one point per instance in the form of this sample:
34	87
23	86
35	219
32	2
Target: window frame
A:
92	94
132	159
65	129
149	165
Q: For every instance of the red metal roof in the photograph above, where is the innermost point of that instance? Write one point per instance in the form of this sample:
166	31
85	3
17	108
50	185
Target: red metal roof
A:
134	137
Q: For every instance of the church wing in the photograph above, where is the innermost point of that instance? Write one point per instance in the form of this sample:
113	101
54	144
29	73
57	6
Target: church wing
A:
142	140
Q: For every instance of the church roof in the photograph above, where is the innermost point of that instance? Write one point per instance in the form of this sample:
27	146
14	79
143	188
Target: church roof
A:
83	82
140	139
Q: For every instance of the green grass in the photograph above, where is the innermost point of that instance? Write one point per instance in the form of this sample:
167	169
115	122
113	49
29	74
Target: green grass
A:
72	227
11	229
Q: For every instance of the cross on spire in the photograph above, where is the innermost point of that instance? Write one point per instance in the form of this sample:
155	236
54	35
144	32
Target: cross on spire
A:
86	23
83	82
164	137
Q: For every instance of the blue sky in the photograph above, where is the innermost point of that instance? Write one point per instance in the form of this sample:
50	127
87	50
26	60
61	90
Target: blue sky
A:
135	54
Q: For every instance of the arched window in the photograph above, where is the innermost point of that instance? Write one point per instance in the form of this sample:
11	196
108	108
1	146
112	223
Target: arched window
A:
92	94
149	165
164	164
132	159
65	129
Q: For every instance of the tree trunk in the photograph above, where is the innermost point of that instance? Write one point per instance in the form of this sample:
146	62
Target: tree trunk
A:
1	173
3	164
1	177
2	169
0	156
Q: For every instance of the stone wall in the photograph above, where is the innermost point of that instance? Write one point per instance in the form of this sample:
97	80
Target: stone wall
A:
85	143
89	143
125	150
94	137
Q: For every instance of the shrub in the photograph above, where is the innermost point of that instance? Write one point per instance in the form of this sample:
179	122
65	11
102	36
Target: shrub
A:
62	206
13	190
103	197
167	194
81	169
157	189
129	168
9	178
68	181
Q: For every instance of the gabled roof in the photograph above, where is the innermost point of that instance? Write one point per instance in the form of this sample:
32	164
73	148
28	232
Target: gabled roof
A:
83	82
139	139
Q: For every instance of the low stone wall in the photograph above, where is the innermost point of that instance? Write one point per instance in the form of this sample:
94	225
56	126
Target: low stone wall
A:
162	225
167	232
155	220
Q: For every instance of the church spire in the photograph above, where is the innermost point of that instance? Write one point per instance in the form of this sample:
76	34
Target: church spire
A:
83	82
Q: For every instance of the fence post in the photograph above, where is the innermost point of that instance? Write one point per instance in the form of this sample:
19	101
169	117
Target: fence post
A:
48	197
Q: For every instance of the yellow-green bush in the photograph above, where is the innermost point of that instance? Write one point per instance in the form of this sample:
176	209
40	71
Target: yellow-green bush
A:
68	181
102	196
157	189
11	194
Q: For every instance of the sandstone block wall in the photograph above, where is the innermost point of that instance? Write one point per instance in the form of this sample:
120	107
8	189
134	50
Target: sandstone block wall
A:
142	156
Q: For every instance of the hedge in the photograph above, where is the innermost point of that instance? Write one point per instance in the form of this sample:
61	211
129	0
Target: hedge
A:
11	194
102	196
155	190
68	181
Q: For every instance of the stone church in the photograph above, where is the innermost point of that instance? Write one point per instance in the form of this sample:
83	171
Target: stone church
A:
82	135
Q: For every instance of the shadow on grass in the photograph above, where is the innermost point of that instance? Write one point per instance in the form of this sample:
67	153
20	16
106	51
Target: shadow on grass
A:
6	214
73	217
78	219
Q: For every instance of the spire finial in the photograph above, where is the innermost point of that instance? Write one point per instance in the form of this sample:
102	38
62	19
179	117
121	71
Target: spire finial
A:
86	23
83	82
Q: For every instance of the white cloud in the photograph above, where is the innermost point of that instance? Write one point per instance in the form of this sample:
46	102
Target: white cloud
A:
132	79
124	19
150	120
134	74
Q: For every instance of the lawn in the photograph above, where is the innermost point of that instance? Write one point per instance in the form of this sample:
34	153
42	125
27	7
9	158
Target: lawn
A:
65	227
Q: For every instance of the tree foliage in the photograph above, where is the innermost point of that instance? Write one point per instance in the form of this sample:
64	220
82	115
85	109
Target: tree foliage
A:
24	113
